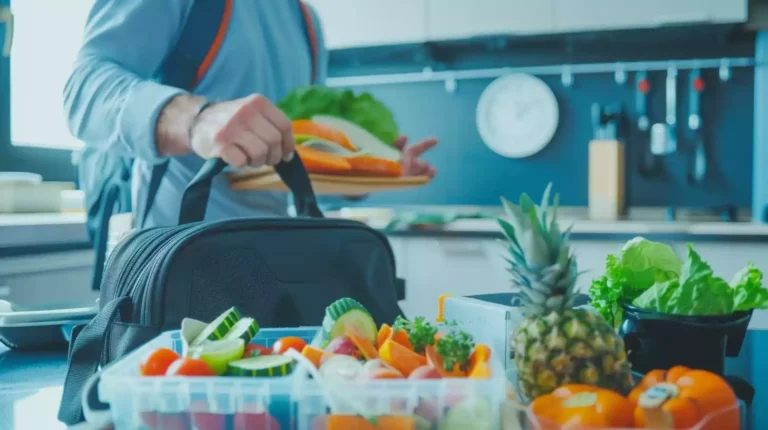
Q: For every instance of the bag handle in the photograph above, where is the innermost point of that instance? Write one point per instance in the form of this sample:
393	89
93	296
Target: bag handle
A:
85	353
195	199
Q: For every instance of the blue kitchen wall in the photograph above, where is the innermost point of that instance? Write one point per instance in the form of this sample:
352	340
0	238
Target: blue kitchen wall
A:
471	174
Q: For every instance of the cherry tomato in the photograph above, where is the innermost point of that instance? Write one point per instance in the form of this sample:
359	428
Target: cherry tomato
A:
253	350
290	342
157	362
190	367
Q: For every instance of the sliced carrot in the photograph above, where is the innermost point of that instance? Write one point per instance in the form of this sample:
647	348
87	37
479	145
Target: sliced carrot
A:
362	343
401	337
383	334
482	370
311	128
314	355
400	357
366	165
346	422
395	422
356	422
435	360
320	162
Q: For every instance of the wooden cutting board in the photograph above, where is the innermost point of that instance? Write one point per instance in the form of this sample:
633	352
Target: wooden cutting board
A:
266	179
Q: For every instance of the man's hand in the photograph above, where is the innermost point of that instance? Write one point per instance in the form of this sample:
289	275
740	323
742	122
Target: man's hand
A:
250	131
246	132
412	166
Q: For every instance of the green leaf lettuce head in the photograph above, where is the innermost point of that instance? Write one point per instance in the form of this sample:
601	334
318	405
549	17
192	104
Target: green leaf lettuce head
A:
640	265
699	292
362	109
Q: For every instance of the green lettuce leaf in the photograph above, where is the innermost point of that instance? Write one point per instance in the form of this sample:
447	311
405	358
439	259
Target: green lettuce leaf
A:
640	265
657	297
748	291
363	109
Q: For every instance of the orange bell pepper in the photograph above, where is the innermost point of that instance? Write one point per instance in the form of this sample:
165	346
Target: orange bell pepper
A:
683	398
481	354
577	405
401	337
362	343
384	332
400	357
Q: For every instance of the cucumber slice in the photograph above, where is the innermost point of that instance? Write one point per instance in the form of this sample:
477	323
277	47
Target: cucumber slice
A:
263	365
338	308
219	327
244	329
219	353
358	318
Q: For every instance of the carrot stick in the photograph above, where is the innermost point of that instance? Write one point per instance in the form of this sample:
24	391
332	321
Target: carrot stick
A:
320	162
314	355
365	165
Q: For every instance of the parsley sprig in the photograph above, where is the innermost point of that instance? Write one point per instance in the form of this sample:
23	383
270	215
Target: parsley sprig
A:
456	348
421	333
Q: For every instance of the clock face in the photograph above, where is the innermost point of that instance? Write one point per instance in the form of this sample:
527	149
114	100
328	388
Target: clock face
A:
517	115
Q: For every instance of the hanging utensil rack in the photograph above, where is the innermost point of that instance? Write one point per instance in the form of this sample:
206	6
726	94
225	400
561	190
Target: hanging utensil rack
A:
566	71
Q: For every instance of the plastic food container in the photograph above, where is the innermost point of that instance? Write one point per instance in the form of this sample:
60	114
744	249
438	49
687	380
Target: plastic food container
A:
448	403
199	403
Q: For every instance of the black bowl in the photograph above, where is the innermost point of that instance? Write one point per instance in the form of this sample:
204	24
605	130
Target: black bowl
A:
659	341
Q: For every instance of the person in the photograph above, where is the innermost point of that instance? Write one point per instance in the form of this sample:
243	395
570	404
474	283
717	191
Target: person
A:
112	102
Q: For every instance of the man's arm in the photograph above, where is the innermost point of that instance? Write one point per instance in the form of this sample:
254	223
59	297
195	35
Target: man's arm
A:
110	99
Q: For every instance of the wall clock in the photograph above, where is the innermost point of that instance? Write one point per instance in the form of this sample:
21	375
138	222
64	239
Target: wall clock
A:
517	115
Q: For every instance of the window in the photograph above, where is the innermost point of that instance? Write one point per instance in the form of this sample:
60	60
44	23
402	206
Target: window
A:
47	37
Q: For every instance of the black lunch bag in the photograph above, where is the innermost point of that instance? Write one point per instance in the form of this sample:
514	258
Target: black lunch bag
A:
282	271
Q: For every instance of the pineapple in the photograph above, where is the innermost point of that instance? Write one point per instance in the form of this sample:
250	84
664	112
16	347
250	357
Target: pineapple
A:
555	344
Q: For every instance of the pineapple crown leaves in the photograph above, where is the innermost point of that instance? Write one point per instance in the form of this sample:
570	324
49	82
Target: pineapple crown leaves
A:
535	239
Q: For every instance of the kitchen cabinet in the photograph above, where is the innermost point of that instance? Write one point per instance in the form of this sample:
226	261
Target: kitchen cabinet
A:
359	23
460	19
458	266
47	279
589	15
725	258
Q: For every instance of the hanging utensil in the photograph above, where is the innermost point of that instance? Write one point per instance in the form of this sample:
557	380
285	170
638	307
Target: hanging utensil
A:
698	165
664	135
649	165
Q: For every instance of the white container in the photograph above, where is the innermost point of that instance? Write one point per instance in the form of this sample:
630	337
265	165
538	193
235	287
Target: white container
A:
148	403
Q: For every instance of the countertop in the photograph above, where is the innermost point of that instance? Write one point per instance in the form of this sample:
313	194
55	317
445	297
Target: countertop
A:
35	230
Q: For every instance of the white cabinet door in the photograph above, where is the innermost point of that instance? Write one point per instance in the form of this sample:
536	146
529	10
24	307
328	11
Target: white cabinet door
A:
360	23
586	15
459	19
